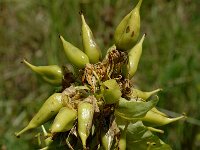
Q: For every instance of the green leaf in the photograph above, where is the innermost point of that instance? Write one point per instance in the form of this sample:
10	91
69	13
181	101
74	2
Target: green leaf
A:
139	137
111	91
111	84
134	109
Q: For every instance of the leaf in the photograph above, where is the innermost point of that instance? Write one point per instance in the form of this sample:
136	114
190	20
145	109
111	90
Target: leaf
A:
111	84
134	109
138	137
111	91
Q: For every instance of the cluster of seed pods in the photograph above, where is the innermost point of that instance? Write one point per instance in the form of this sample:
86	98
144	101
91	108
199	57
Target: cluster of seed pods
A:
97	102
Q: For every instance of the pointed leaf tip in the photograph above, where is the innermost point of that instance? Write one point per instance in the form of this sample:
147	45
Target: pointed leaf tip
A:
139	4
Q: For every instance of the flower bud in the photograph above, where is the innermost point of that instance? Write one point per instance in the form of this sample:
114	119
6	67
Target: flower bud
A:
135	93
134	57
51	74
64	120
74	55
127	32
85	117
48	110
154	118
89	45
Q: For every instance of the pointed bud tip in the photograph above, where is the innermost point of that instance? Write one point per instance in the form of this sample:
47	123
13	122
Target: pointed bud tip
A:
142	39
23	60
139	4
83	19
80	12
17	135
26	62
157	90
62	39
178	118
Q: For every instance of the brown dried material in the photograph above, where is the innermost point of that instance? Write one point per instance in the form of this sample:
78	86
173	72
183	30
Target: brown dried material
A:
67	94
68	78
109	68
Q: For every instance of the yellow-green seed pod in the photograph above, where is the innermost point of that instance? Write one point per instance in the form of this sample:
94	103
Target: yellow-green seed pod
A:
89	45
135	93
51	74
64	120
107	139
48	110
111	92
127	32
155	110
74	55
154	118
85	117
122	140
134	57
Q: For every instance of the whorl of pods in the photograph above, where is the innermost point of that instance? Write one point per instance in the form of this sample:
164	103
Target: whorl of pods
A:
100	105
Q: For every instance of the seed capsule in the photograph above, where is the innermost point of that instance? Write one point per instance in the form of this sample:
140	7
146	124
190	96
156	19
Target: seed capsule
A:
85	117
134	57
111	92
74	55
52	74
127	32
155	110
64	120
48	110
122	140
157	119
135	93
89	45
107	139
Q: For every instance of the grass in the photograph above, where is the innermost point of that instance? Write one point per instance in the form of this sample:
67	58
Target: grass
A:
170	59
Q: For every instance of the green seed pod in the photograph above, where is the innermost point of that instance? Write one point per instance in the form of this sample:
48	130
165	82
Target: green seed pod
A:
154	118
64	120
74	55
135	93
48	110
111	92
52	74
107	139
134	57
85	117
127	32
155	110
89	45
122	140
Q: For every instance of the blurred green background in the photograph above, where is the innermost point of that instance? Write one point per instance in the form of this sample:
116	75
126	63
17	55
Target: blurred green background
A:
171	54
